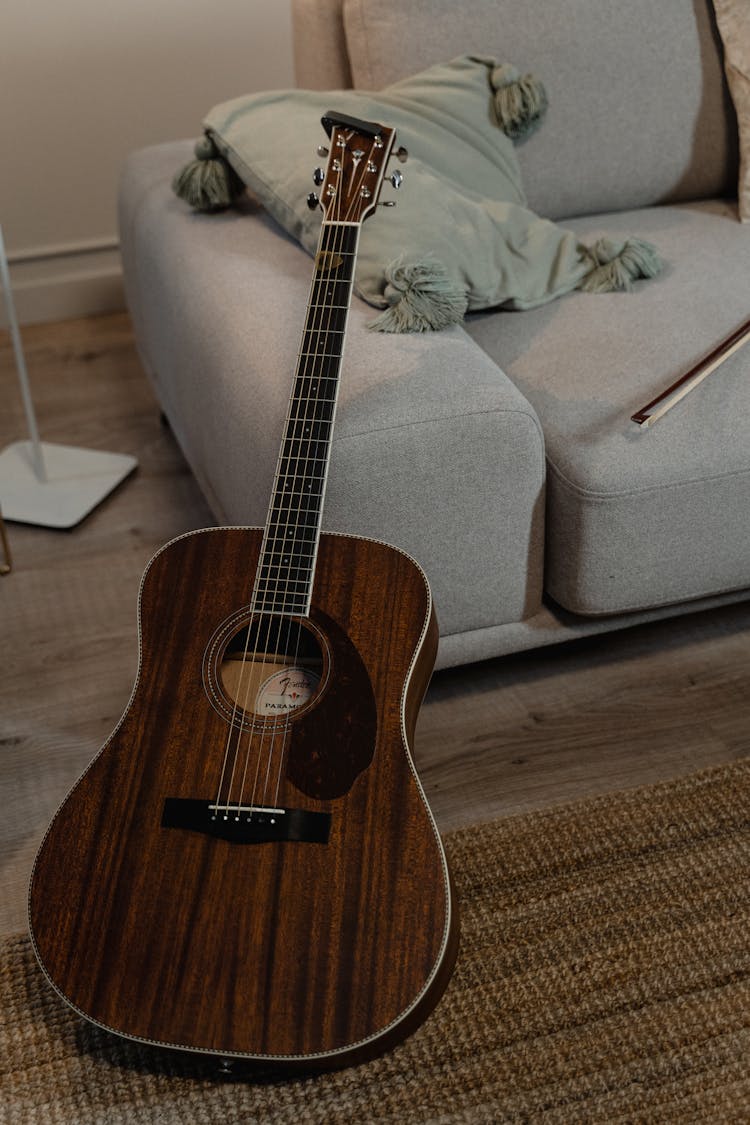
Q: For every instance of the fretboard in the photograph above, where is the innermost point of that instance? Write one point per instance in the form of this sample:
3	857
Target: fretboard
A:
283	583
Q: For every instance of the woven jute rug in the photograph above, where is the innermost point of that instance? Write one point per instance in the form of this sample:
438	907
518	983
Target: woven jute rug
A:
604	976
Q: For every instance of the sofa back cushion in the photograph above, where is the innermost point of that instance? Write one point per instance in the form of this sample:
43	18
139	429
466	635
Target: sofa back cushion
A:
639	110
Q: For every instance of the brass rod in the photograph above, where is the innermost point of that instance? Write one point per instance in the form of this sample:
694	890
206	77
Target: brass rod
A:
659	406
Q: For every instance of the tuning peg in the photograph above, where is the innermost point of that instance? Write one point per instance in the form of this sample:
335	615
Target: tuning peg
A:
322	150
318	176
402	154
388	203
396	179
312	201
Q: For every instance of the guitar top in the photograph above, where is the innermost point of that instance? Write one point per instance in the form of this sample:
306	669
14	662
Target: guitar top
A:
249	867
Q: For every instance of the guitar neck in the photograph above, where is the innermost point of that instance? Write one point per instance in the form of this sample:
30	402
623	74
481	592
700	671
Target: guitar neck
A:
286	569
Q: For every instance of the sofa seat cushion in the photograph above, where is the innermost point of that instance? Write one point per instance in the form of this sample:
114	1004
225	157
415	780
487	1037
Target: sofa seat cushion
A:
636	517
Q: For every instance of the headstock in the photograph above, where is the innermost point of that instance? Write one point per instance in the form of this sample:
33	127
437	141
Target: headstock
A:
351	183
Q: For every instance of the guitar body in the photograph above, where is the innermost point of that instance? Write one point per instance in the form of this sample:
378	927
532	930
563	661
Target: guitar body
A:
254	871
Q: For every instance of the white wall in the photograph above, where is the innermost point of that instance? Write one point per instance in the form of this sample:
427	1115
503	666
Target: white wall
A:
84	82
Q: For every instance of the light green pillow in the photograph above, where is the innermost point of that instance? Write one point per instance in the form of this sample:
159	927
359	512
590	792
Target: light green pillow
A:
461	236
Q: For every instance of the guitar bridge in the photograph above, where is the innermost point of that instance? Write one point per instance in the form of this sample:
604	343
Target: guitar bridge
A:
246	824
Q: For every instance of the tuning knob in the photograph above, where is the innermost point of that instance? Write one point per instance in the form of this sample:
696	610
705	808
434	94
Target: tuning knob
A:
322	150
318	176
396	179
402	154
388	203
312	201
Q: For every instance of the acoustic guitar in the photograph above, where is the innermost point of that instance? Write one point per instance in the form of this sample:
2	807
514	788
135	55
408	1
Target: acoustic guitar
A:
249	867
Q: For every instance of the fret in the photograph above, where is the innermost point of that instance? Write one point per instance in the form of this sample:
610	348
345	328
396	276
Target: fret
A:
312	398
266	569
319	411
312	469
293	491
319	388
312	364
312	438
330	293
309	429
296	455
332	239
314	367
329	301
280	599
318	338
303	450
332	265
326	315
282	588
280	605
320	355
304	458
280	523
285	518
277	556
294	535
280	518
290	587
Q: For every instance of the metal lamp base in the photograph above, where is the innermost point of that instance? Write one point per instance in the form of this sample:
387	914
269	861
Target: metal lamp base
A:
77	480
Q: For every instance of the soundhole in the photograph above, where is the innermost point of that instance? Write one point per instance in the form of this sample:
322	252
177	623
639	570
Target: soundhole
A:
272	666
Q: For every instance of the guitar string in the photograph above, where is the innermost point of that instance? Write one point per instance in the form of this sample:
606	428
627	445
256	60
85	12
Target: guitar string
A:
245	675
339	247
273	545
321	377
345	236
303	462
286	538
282	537
314	442
328	292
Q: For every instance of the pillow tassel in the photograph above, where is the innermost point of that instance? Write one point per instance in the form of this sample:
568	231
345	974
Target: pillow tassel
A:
520	102
208	183
422	298
616	265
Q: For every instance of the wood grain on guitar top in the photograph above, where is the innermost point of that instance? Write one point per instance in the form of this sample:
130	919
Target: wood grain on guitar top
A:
305	952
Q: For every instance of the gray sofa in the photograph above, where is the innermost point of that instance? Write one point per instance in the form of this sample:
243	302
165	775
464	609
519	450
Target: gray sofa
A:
499	453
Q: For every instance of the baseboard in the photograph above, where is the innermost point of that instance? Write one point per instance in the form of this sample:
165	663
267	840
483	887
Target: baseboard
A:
57	283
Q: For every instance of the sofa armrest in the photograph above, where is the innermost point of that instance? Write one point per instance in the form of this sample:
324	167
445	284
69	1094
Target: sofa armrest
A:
435	450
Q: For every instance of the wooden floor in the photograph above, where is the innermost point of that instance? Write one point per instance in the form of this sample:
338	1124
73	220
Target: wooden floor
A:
496	738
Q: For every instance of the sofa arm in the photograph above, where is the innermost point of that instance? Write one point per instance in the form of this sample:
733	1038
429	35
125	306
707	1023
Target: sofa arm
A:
434	450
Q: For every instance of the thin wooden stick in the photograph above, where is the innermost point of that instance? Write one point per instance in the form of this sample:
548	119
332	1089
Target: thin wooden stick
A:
653	410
